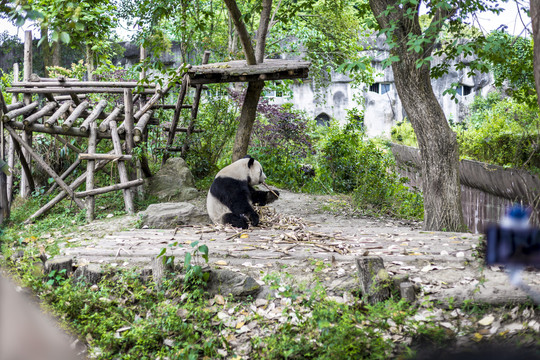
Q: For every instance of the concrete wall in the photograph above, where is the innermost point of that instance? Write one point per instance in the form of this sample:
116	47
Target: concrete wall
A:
382	111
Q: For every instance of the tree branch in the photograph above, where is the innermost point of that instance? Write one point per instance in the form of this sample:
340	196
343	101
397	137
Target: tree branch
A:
263	30
243	34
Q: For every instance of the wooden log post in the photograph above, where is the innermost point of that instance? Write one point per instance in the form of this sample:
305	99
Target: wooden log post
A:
374	279
90	166
4	203
37	115
11	147
27	99
45	166
75	115
15	105
122	171
57	114
128	120
93	115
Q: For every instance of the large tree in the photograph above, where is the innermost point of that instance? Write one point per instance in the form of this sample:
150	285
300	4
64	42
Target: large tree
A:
411	50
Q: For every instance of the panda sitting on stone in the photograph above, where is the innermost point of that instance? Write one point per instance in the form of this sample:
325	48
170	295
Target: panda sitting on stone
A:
232	195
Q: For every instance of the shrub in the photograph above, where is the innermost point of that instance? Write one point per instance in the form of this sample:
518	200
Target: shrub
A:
501	132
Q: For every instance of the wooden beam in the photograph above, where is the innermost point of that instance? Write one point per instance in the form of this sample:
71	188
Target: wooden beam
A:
61	111
74	185
73	90
194	111
182	129
94	115
75	115
44	165
93	156
81	84
37	115
104	126
57	130
110	188
14	106
24	164
176	116
141	126
22	111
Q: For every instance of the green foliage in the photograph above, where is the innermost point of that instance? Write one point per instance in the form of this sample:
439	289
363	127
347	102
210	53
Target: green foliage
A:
503	133
512	62
357	165
335	331
403	133
500	131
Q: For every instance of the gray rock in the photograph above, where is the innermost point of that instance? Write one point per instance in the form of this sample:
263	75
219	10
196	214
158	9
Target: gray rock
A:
170	215
407	291
174	182
226	282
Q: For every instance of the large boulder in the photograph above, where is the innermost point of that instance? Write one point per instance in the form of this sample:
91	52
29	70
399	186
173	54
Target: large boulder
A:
174	182
171	215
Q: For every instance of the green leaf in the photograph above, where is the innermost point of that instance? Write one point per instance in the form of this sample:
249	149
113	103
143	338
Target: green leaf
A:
54	36
187	260
79	26
34	15
162	252
20	21
64	37
195	243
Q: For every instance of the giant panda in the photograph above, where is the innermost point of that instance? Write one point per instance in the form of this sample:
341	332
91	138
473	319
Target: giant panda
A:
232	195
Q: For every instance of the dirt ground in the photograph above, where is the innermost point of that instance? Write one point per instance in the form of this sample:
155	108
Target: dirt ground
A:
303	238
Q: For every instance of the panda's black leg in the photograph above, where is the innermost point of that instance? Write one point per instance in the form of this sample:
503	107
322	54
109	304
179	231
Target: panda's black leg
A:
235	220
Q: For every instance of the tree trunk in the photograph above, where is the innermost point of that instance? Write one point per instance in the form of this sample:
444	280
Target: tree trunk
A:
254	90
89	62
535	20
437	142
246	120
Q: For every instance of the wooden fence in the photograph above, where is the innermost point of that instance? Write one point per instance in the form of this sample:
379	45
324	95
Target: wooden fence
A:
486	190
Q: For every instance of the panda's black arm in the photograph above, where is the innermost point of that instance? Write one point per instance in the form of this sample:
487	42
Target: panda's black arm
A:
262	197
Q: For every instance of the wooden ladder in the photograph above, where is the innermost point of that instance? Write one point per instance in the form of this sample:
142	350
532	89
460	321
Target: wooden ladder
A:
177	110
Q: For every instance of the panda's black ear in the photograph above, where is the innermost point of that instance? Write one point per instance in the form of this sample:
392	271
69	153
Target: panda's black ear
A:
251	161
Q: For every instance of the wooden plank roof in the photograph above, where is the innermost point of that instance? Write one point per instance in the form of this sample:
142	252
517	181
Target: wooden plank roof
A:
239	71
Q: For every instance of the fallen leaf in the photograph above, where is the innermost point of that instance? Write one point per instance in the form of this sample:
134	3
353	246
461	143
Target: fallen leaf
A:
221	263
478	337
487	320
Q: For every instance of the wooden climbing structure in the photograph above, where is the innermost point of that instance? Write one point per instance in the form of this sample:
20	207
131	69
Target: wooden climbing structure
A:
62	108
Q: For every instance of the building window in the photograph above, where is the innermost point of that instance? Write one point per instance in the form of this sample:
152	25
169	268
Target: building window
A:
464	90
323	119
380	88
